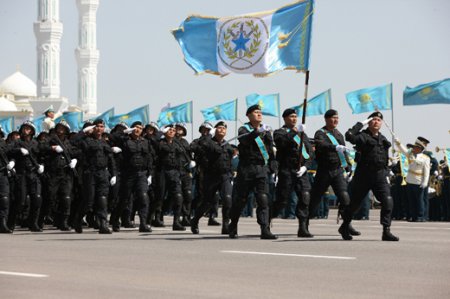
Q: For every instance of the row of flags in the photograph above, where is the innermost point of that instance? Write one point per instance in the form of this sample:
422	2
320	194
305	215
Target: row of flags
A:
360	101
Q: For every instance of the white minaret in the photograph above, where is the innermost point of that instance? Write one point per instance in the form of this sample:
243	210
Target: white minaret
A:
48	30
87	56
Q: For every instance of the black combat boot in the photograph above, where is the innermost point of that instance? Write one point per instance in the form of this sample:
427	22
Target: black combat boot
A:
143	226
4	206
266	234
344	231
194	226
177	225
35	207
388	236
353	231
64	226
303	229
213	222
225	227
4	229
232	230
186	221
103	228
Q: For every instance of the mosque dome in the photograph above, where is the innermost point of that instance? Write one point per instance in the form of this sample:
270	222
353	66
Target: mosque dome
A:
19	85
7	105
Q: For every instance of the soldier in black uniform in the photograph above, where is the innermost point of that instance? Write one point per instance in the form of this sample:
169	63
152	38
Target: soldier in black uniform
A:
6	168
99	173
292	169
136	174
168	174
60	168
370	174
256	163
217	175
187	165
332	162
26	153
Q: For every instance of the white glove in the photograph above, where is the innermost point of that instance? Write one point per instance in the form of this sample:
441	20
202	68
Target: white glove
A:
391	173
40	169
116	149
394	160
129	130
24	151
397	141
423	185
58	149
436	173
73	163
112	181
274	178
89	128
365	122
301	171
388	180
149	180
264	128
208	126
192	164
440	177
10	165
340	148
301	128
165	130
349	178
212	132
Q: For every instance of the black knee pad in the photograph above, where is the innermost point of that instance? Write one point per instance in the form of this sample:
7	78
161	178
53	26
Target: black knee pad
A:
389	204
262	199
306	197
344	198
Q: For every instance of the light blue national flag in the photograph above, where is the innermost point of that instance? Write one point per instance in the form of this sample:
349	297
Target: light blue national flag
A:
37	121
318	105
370	99
7	124
259	43
226	111
269	103
437	92
138	114
178	114
74	119
106	115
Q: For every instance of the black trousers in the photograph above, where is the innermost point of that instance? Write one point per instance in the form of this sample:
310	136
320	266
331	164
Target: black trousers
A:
323	179
375	180
288	182
186	188
4	195
216	183
96	190
59	192
169	186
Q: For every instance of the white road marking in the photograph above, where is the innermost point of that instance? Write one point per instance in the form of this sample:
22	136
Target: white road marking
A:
23	274
291	254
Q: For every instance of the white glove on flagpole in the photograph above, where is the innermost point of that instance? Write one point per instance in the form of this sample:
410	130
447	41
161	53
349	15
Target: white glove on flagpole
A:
301	171
264	128
192	164
112	181
301	128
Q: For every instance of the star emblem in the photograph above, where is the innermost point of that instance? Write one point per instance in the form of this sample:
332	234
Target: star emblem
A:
240	42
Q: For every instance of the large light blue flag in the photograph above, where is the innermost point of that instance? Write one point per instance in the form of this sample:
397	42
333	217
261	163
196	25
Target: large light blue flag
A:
226	111
259	43
318	105
178	114
437	92
38	123
7	124
269	103
106	115
370	99
138	114
74	119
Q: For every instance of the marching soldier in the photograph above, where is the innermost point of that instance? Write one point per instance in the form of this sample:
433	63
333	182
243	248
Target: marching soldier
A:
168	175
257	162
370	174
331	165
292	169
217	176
26	153
49	120
6	167
60	167
136	174
98	175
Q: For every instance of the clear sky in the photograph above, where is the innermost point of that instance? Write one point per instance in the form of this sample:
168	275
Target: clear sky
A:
355	44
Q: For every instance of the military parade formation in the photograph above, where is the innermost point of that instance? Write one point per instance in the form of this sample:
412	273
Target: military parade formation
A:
73	180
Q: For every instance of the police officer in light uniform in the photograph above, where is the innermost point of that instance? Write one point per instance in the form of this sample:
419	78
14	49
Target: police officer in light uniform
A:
26	153
217	176
417	178
332	163
257	162
370	174
136	174
49	120
292	169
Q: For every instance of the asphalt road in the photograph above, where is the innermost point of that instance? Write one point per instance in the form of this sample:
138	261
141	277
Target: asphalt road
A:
166	264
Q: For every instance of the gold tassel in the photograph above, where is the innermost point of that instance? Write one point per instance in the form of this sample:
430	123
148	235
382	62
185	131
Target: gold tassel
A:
282	36
282	45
